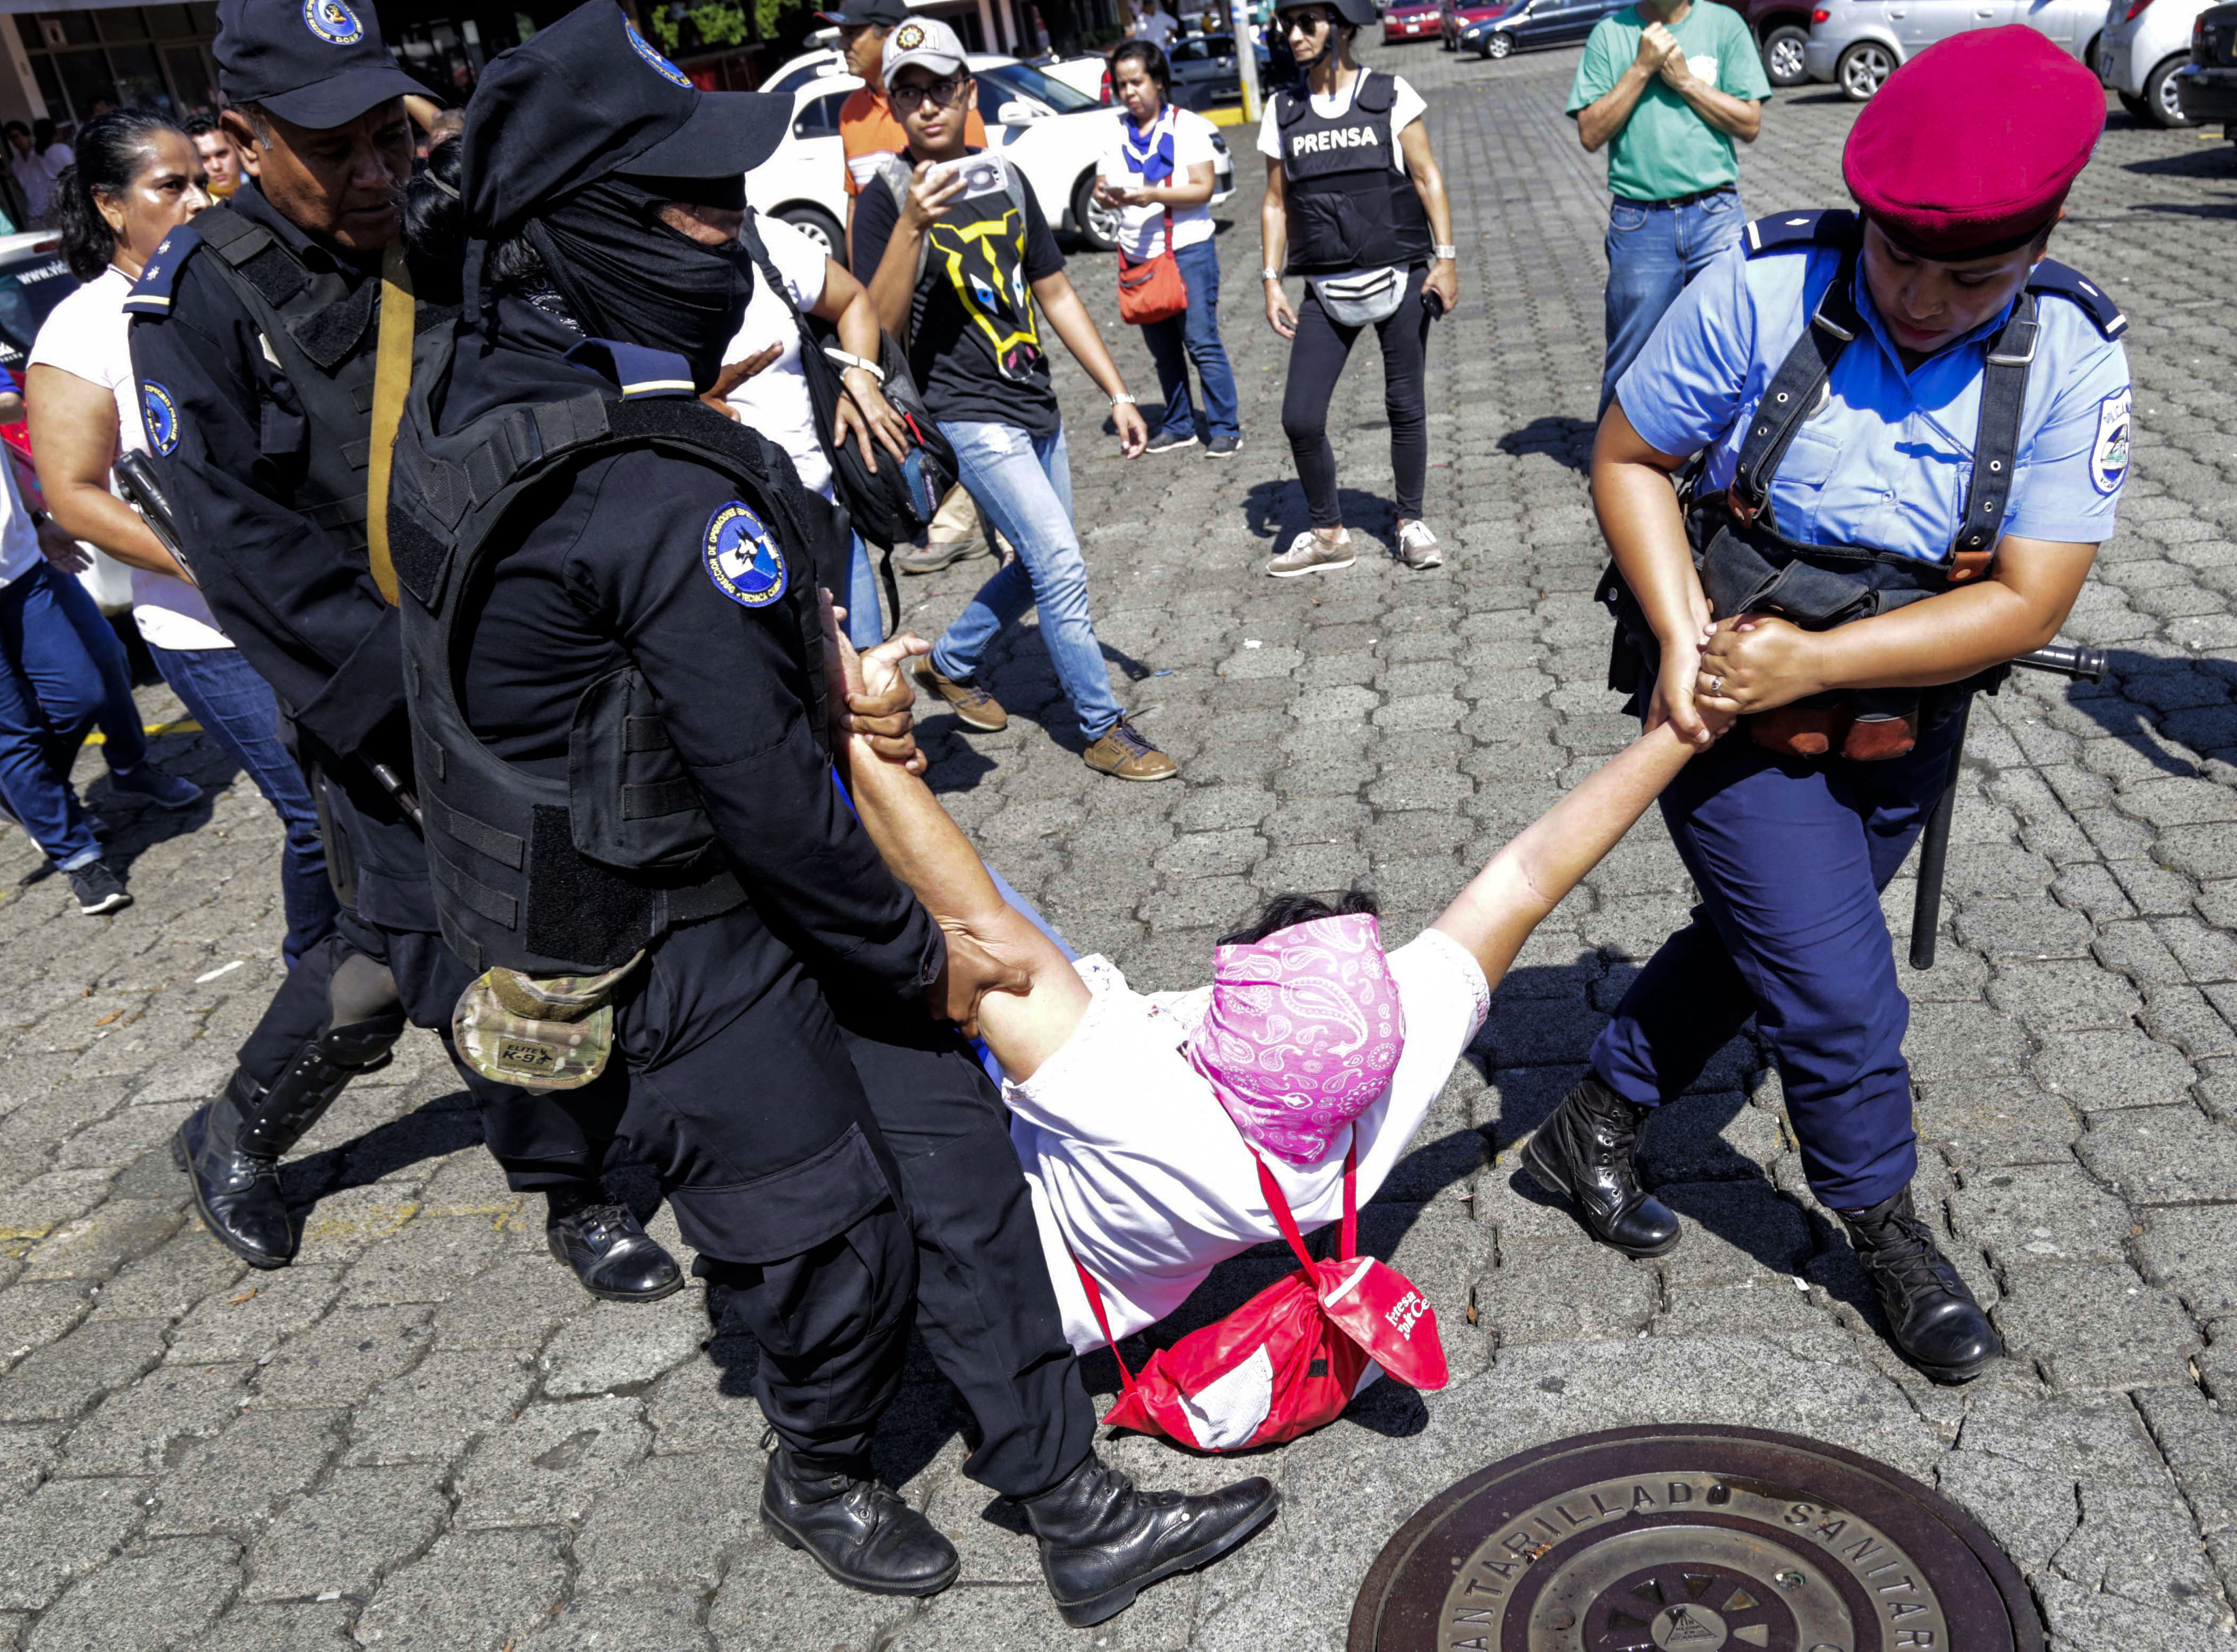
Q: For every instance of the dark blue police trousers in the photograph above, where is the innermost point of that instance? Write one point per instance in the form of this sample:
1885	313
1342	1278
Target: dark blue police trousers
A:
1791	857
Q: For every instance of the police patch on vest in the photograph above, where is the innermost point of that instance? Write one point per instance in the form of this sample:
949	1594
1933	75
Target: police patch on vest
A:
333	21
160	414
665	70
742	559
2108	454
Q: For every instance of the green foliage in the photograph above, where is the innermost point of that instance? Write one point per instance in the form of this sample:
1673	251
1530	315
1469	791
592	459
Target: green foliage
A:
714	23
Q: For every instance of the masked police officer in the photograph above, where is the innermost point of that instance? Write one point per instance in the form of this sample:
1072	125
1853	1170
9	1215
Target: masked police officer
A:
1916	430
253	341
615	663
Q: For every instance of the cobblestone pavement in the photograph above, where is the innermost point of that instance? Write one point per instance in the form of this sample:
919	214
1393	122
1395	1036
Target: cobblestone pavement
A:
423	1435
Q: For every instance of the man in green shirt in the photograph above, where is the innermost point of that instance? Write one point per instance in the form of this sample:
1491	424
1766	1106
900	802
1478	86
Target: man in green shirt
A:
1666	86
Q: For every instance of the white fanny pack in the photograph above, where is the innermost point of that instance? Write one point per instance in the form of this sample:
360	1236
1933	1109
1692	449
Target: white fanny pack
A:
1361	298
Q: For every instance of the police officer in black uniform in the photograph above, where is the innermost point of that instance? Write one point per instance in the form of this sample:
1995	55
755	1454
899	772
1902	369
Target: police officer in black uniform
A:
615	663
252	339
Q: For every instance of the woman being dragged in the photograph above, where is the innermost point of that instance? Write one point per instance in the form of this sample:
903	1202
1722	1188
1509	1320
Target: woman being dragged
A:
1137	1115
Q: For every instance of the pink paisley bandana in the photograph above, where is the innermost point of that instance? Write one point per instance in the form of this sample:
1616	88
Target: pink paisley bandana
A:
1304	1032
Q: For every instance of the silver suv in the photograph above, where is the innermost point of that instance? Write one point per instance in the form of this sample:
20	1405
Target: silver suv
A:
1856	44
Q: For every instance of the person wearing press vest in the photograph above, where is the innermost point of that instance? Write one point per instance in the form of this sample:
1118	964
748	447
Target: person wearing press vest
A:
962	266
1356	204
253	338
1664	87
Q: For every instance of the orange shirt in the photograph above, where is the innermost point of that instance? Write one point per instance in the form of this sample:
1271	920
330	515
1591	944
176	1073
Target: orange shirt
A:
867	126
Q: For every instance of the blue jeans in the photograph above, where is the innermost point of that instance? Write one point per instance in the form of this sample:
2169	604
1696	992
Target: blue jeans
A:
236	709
1023	484
865	628
1790	858
62	671
1193	336
1652	251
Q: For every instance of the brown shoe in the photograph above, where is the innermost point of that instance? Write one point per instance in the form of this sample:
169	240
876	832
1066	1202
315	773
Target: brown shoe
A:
973	706
1124	753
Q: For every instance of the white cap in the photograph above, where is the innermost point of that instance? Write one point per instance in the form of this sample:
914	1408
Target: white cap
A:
924	40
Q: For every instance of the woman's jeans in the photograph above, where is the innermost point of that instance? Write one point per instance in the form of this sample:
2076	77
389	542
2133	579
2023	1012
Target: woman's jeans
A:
1023	484
1317	358
236	709
1193	336
1652	251
62	671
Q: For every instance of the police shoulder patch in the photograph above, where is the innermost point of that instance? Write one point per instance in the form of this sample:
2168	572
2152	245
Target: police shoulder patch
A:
660	65
2069	283
2108	454
160	414
151	293
1796	231
742	559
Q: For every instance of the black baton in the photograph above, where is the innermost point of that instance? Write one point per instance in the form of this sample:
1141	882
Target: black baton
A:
2065	660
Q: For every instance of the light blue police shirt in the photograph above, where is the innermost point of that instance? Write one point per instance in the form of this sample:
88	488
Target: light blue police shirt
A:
1887	460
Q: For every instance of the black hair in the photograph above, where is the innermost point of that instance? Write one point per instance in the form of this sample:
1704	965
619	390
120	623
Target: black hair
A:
1287	912
200	126
435	224
1153	62
42	135
16	126
112	150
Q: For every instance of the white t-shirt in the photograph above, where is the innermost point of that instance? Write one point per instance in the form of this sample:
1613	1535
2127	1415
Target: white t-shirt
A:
85	336
1406	107
1141	229
1135	1166
775	401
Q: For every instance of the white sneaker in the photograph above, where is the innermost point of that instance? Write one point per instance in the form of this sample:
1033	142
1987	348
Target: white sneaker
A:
1418	547
1311	554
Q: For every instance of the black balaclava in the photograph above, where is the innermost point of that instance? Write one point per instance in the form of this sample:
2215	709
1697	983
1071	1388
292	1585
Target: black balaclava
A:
627	276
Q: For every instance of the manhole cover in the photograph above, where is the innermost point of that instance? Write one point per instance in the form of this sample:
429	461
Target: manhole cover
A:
1692	1539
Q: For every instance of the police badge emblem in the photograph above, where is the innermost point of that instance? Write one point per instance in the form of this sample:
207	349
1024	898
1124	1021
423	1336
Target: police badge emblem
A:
741	557
160	415
333	21
2108	454
661	66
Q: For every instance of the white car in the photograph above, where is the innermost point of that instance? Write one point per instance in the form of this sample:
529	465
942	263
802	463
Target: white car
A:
1856	44
1054	135
2143	44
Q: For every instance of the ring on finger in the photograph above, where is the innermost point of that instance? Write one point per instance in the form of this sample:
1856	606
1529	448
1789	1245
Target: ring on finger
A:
1717	686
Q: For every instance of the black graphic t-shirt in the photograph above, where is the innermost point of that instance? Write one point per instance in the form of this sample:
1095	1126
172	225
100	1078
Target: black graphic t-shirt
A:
977	342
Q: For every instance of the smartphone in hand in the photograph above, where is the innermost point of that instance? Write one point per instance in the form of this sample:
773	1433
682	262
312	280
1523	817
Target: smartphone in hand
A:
1432	301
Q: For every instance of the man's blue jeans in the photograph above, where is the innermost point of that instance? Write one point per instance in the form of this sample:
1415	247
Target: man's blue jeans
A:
1023	484
1652	251
62	671
1193	336
236	709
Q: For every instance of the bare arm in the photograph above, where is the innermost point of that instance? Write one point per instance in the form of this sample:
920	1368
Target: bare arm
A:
1636	505
1429	181
74	434
1735	117
1509	897
893	285
1069	317
1274	240
846	304
1604	118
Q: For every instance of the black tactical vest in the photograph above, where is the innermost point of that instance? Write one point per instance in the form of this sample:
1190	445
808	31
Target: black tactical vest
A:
1348	209
547	876
314	326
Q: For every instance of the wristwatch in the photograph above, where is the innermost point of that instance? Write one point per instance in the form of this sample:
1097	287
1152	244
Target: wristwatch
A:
1124	395
1451	254
1269	273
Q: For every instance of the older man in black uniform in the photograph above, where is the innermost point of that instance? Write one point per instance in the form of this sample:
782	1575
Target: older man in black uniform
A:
615	663
254	343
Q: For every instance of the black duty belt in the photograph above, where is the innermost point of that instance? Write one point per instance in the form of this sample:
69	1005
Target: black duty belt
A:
1676	201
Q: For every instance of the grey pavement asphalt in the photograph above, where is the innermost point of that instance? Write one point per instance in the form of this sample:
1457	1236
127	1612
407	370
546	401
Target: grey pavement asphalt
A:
423	1435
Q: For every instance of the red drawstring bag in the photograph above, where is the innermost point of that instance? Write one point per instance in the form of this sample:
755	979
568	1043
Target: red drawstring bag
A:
1153	290
1290	1359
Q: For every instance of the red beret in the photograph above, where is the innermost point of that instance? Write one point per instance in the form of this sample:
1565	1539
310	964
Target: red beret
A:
1968	149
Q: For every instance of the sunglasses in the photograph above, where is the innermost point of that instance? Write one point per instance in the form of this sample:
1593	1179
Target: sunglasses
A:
906	99
1307	22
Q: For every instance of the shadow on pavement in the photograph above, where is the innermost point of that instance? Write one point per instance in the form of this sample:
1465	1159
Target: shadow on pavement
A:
1568	440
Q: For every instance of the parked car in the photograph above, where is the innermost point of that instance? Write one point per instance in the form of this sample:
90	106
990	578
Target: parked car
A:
1411	20
33	279
1054	134
1089	72
1781	29
2207	86
1204	71
1467	14
2143	44
1856	44
1536	22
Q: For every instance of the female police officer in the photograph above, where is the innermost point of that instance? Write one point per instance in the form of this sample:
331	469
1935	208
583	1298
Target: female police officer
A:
1916	432
613	660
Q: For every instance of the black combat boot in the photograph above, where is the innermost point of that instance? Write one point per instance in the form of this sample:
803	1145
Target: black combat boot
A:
1103	1542
1932	1314
607	1246
236	1192
856	1530
1586	1150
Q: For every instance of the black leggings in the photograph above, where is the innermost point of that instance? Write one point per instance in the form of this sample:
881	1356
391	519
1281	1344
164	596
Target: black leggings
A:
1317	358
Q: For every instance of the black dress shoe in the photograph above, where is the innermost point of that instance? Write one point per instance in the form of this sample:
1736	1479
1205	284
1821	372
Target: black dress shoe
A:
1586	1150
609	1249
236	1192
856	1530
1930	1312
1103	1542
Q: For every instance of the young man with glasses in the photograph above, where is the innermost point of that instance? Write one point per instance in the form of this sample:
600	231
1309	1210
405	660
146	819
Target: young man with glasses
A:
961	264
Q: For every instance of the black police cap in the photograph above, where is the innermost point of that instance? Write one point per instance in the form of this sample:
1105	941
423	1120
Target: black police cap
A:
587	98
876	14
318	64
